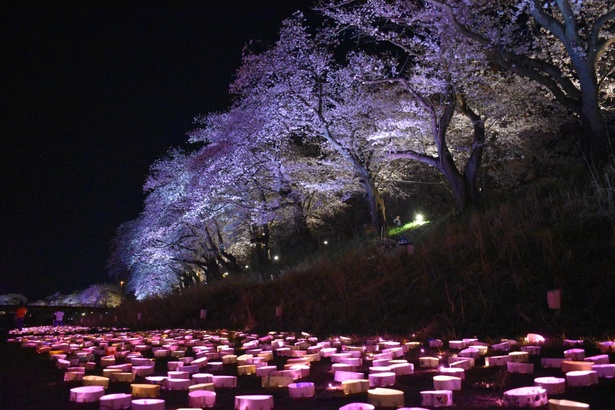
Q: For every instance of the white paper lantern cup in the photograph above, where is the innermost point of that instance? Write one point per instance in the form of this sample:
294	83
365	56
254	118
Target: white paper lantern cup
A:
301	389
444	382
148	404
202	398
532	396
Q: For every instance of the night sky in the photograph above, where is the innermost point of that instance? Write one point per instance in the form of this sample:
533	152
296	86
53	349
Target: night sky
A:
92	93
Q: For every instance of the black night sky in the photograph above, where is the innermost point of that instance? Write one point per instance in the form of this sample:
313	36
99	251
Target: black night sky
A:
92	93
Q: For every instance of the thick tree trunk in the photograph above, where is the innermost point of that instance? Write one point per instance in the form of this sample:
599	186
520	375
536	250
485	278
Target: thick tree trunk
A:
375	202
596	142
260	238
459	185
304	232
584	58
583	100
470	176
212	270
224	258
470	172
465	186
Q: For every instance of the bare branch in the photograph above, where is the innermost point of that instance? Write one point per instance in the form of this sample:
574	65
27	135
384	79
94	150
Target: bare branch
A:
596	47
562	31
417	156
450	12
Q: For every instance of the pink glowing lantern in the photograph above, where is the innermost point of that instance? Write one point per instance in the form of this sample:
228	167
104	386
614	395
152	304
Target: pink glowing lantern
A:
383	379
437	398
256	401
553	385
534	338
148	404
533	396
358	406
554	298
86	394
116	401
444	382
606	347
202	398
355	386
302	389
582	378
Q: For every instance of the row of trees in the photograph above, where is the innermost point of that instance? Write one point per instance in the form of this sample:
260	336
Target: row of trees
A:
347	105
100	295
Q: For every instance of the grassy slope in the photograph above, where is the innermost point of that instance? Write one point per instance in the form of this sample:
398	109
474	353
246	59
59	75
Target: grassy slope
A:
486	273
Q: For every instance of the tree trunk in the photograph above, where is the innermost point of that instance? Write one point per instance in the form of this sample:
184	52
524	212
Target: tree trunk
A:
596	143
304	233
224	258
464	186
212	269
260	238
459	185
595	139
375	202
470	172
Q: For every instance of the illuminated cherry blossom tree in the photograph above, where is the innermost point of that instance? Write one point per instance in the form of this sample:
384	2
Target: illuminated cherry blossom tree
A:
210	209
101	294
445	95
166	248
12	299
133	261
565	46
265	176
324	114
304	91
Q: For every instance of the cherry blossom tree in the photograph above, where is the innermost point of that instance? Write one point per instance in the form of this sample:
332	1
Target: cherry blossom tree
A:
271	178
566	46
166	248
118	265
443	91
316	119
179	190
305	91
210	209
140	261
12	299
425	91
101	294
149	252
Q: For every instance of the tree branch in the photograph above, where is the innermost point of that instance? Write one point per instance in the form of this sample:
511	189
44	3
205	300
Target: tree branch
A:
596	47
543	73
556	28
417	156
457	24
604	77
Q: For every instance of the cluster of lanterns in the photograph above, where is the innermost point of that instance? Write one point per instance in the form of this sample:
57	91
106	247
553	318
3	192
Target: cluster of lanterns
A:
197	360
